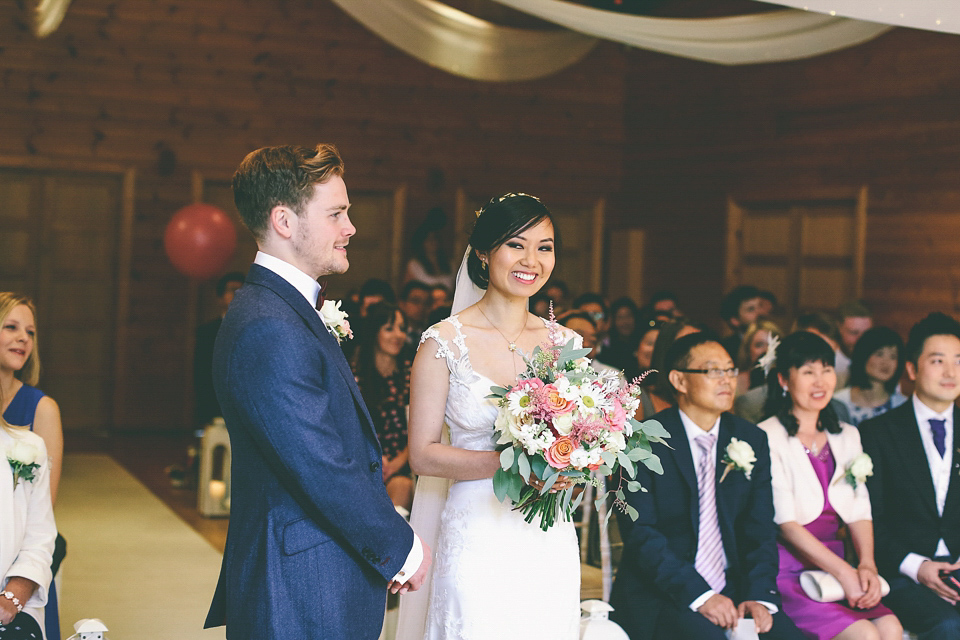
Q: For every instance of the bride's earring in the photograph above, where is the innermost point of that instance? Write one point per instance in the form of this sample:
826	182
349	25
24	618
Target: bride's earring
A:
483	265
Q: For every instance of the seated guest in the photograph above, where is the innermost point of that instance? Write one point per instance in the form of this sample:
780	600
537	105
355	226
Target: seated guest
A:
441	297
647	336
540	306
596	306
810	454
26	545
754	347
702	554
853	319
739	309
750	405
430	263
557	292
384	381
663	306
875	368
769	305
658	394
415	303
620	345
206	407
373	291
914	489
583	324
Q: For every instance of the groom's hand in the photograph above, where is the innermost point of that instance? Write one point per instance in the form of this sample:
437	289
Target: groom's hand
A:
416	580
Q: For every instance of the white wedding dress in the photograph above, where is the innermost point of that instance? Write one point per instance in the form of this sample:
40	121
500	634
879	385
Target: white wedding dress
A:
495	577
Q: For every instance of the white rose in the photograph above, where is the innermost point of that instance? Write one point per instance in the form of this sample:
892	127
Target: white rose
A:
741	454
331	313
23	452
564	423
861	467
616	440
579	458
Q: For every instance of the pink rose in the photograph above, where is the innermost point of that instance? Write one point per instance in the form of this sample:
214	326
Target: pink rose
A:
558	455
528	385
554	403
617	418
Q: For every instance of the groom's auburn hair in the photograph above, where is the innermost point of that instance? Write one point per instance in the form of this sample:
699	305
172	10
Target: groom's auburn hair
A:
274	176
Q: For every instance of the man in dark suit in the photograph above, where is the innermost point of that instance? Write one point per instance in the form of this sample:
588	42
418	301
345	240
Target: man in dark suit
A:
205	405
702	554
915	488
314	540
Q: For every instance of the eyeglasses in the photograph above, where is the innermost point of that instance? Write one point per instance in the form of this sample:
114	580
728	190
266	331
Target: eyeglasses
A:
714	373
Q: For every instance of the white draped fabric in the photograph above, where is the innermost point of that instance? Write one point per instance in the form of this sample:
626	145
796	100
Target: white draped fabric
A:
464	45
48	15
932	15
764	37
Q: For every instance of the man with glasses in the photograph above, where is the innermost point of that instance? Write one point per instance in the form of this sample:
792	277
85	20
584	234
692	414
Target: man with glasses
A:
702	554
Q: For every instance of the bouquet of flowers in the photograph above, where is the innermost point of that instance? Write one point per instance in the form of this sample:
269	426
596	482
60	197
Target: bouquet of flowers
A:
562	418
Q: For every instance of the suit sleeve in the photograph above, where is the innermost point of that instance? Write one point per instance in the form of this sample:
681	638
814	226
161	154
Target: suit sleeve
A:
757	532
647	547
889	551
279	387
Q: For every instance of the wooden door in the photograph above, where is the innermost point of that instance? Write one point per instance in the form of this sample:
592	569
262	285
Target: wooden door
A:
809	251
60	246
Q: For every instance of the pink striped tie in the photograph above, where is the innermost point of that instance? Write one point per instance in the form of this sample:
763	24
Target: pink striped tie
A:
710	561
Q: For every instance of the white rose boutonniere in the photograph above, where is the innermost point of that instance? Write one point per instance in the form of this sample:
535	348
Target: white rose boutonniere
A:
22	457
739	456
336	320
858	470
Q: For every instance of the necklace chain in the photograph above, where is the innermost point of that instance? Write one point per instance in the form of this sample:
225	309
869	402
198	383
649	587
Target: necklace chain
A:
512	344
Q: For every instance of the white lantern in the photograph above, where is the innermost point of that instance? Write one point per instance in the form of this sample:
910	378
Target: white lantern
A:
595	623
89	629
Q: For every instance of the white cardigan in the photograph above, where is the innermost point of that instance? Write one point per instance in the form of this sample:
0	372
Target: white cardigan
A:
797	494
28	529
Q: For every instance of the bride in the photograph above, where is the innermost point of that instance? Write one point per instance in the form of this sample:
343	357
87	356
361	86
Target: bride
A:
495	576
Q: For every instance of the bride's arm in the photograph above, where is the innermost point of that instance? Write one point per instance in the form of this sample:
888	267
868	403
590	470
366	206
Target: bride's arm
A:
429	384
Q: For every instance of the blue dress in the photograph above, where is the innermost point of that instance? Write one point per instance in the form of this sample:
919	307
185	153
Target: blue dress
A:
21	413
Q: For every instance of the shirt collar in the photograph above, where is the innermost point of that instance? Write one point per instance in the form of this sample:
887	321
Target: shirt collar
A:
693	430
925	413
307	286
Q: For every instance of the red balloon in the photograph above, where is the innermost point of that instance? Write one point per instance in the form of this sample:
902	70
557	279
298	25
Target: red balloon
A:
200	240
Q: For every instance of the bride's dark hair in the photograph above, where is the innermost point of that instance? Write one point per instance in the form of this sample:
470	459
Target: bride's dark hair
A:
502	218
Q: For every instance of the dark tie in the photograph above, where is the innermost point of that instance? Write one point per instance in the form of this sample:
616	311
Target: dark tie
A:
939	434
321	298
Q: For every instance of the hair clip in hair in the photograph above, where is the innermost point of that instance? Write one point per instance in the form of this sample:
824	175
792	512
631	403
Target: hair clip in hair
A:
515	195
766	360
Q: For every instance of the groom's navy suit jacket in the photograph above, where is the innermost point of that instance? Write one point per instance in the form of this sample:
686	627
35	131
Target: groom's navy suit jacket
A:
905	516
660	547
313	537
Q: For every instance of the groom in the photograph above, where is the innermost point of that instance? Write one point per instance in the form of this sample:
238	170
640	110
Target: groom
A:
314	540
702	553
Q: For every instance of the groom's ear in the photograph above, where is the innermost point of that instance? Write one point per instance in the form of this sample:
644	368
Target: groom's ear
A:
281	221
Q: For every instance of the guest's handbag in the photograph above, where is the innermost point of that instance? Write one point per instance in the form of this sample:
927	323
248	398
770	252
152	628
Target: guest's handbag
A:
820	586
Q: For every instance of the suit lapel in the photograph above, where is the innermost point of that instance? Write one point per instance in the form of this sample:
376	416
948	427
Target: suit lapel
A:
683	458
328	344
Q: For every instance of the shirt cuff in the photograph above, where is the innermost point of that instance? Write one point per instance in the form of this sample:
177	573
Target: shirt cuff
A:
696	604
772	608
910	566
414	560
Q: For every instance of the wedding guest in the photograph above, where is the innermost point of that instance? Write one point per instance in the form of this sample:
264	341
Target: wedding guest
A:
24	405
583	323
29	530
415	302
384	381
647	340
853	319
754	346
559	293
430	263
702	553
374	291
441	296
596	306
617	349
658	393
540	305
876	365
815	490
769	305
739	309
205	405
664	306
914	489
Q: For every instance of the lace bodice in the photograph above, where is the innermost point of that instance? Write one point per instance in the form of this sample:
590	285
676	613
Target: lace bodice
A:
469	413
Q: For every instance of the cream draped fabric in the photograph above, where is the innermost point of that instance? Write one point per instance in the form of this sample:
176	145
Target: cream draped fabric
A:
48	14
932	15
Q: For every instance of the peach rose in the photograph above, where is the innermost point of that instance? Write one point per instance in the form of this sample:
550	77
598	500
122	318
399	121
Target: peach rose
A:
558	455
554	402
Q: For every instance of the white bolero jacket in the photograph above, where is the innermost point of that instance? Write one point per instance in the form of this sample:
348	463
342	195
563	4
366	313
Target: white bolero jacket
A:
797	494
28	529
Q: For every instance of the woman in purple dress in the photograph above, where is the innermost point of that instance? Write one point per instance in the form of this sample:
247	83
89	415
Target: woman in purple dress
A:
814	492
23	405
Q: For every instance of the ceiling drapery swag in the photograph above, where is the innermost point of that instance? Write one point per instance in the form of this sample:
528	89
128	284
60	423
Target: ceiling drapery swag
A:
932	15
47	16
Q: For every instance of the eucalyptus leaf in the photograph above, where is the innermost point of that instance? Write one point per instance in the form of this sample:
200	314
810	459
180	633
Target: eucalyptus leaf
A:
515	488
623	459
653	463
506	458
609	458
578	500
620	495
498	390
631	468
539	466
654	430
501	482
639	453
633	486
549	482
599	502
604	470
523	465
633	513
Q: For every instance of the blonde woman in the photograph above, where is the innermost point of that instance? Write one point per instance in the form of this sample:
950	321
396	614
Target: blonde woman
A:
754	345
27	533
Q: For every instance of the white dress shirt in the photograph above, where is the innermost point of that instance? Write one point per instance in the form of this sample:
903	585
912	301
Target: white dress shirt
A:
939	472
310	289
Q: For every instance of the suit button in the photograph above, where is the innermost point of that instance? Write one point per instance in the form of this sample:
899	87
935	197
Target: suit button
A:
374	466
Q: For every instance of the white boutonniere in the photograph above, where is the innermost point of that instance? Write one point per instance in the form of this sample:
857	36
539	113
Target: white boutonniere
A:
22	457
336	320
858	470
739	456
